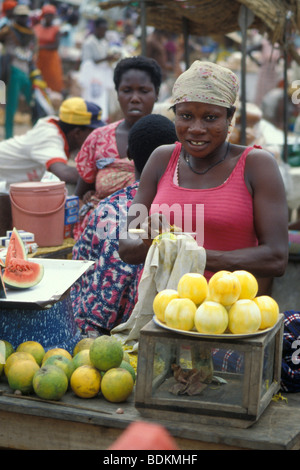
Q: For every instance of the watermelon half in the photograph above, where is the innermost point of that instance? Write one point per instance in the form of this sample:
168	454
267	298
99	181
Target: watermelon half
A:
22	274
16	247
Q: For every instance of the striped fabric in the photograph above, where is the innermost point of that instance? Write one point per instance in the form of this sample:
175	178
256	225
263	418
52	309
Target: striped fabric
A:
232	361
290	374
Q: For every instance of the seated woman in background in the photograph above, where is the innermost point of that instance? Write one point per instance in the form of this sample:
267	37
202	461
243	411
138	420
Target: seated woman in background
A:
105	294
102	163
232	196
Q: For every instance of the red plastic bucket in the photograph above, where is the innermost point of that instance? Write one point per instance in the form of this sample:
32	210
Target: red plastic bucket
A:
39	208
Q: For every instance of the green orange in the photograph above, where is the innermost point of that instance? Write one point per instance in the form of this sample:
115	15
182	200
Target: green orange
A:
117	385
50	382
53	351
106	352
63	362
9	349
82	358
126	365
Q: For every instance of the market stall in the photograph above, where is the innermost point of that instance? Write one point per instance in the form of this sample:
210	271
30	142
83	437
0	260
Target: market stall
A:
27	422
240	409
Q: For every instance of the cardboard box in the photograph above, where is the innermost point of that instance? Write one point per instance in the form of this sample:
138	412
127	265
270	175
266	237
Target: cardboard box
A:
71	210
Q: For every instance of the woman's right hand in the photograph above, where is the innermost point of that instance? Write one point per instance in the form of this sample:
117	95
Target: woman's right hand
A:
153	225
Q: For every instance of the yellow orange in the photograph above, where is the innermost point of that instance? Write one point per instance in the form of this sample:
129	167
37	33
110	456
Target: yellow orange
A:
84	343
269	310
161	301
244	317
34	348
224	287
211	318
180	314
20	375
17	356
85	381
193	286
249	285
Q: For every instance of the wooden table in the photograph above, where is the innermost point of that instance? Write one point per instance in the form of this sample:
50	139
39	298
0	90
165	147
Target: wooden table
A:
93	424
63	251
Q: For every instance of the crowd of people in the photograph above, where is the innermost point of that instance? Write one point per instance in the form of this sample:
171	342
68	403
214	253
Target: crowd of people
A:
128	154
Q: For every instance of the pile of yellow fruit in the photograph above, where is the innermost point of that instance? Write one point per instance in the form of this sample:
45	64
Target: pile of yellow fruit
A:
227	303
98	367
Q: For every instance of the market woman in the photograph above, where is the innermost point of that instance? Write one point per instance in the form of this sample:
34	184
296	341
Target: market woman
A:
48	59
234	194
102	163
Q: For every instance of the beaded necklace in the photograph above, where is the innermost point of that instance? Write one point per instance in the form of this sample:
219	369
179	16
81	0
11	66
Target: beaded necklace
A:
187	160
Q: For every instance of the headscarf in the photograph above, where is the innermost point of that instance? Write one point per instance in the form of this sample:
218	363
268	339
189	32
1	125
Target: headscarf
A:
207	82
8	5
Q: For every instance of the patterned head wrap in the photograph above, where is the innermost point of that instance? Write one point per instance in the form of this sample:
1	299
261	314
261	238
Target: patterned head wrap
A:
207	82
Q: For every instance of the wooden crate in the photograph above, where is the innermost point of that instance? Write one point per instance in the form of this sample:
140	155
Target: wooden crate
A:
245	375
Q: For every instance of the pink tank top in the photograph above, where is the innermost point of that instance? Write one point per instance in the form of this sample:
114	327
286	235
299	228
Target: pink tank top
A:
222	216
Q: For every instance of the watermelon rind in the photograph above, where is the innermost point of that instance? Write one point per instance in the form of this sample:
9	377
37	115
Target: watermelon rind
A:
22	274
16	247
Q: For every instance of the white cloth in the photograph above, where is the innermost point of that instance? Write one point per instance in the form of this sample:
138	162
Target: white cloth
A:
165	264
94	49
96	82
26	157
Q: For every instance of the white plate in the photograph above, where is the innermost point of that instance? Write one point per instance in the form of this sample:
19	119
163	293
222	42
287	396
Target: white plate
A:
59	276
204	335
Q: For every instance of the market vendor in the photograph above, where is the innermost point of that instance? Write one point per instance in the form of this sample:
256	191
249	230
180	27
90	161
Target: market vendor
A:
245	222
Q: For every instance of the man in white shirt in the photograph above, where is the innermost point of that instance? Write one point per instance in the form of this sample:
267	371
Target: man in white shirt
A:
47	146
96	72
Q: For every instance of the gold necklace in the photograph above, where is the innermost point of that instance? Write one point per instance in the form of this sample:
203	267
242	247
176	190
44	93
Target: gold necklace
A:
187	160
